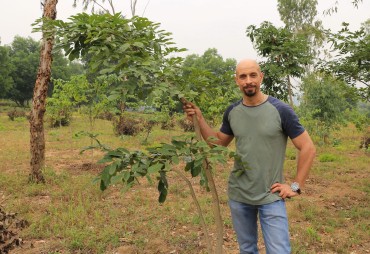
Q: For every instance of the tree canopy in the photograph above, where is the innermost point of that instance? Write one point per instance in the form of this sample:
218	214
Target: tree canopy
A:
351	61
286	54
19	63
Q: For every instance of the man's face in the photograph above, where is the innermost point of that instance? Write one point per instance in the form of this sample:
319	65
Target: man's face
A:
249	78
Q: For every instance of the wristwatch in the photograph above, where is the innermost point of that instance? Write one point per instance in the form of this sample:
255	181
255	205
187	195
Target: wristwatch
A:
295	187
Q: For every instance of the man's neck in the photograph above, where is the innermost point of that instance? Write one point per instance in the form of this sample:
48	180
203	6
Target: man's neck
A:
254	100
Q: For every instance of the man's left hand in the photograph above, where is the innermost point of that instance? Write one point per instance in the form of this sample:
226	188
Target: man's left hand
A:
284	190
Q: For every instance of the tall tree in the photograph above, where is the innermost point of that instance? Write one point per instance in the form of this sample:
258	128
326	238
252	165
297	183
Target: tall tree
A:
6	81
297	14
24	55
37	138
97	6
324	101
299	18
21	66
351	62
334	8
286	56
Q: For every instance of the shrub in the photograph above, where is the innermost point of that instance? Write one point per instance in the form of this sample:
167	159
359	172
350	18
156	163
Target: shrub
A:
169	124
186	125
125	125
106	116
60	119
16	114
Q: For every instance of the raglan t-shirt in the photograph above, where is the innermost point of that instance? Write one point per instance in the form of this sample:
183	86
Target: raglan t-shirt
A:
261	134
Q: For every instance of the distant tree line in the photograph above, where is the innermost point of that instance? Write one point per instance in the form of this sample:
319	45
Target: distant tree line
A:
19	62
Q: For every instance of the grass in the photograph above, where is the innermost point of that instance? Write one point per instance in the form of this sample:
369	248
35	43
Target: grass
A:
69	214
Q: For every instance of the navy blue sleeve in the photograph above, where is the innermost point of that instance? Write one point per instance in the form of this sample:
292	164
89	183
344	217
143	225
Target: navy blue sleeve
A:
289	119
225	127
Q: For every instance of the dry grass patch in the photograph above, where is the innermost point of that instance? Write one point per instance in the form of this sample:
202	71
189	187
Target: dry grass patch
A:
69	214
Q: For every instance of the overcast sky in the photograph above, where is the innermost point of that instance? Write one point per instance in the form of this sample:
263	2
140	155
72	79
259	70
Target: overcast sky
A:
195	24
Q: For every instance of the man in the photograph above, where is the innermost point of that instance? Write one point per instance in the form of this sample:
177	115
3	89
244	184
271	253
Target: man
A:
260	125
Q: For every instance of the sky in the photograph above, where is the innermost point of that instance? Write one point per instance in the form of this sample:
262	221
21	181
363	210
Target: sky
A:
195	24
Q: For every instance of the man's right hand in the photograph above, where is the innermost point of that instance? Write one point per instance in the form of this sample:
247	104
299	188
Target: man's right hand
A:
190	110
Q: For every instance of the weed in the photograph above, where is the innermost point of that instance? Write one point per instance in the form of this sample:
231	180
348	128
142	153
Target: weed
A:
327	157
312	234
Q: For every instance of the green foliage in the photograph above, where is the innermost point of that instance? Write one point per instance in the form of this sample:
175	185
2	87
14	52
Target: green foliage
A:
286	55
91	97
300	17
323	104
209	82
95	96
327	157
19	63
126	167
24	56
297	14
6	81
352	60
135	50
66	95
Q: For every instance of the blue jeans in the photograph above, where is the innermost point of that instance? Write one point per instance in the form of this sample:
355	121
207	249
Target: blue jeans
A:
274	223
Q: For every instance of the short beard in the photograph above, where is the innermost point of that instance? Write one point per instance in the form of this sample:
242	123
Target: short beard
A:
249	94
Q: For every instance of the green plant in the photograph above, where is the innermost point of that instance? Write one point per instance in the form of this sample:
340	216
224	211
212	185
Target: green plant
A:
327	157
312	234
125	167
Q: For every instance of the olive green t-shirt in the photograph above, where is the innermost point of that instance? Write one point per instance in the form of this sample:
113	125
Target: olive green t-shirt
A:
261	137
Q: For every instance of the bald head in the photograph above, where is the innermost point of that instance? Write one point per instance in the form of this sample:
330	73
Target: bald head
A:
248	77
247	64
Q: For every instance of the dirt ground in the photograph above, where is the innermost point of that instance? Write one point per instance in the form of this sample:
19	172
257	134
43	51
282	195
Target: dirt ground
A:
330	195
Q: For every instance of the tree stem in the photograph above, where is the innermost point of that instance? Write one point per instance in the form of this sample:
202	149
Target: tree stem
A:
202	220
212	187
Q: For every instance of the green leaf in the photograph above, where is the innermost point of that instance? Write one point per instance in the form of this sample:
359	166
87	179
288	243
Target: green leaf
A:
155	168
138	44
102	185
189	165
195	171
116	179
162	187
126	176
162	196
112	168
175	159
238	172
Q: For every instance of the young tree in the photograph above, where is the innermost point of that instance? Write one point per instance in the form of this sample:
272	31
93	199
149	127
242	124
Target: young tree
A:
299	18
135	50
323	103
37	139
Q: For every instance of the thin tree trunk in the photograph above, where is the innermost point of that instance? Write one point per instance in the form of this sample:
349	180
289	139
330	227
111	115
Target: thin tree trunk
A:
212	187
202	220
290	91
37	139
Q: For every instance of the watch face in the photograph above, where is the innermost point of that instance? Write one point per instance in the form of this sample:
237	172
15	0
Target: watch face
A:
295	187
